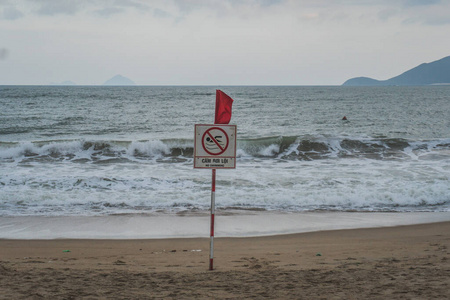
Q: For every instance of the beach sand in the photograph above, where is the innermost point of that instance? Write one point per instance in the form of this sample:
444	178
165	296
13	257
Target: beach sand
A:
403	262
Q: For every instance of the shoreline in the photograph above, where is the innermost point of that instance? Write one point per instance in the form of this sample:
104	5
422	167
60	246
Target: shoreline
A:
196	225
401	262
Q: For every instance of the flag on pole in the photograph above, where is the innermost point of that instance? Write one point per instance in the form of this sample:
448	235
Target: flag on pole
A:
223	108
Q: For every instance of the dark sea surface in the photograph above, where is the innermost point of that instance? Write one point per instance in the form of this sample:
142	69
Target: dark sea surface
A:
94	150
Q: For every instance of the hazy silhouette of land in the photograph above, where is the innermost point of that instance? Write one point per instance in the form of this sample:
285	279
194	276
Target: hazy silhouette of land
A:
119	80
436	72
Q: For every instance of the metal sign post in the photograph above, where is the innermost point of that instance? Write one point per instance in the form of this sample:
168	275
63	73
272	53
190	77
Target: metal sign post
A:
214	148
213	212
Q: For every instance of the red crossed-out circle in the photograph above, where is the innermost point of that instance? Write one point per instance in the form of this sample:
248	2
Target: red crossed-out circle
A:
211	136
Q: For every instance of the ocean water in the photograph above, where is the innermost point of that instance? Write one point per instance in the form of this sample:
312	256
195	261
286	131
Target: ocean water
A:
95	151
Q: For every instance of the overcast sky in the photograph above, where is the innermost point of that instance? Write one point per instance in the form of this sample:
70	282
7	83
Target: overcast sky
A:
218	42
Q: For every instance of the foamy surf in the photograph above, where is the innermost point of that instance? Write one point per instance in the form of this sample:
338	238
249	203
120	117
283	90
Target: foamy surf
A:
281	147
100	151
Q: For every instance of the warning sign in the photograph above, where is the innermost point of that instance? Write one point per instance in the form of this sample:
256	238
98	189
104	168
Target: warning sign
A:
215	146
215	141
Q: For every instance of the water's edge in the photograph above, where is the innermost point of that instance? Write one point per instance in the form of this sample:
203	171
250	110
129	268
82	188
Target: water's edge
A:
190	226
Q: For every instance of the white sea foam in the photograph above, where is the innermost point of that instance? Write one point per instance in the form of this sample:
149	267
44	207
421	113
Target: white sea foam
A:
342	185
271	150
149	148
96	151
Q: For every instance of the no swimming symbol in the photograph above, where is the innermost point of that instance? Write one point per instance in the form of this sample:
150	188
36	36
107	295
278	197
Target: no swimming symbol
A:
215	141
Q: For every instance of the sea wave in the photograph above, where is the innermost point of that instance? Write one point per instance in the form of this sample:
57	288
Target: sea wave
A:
176	150
285	173
98	193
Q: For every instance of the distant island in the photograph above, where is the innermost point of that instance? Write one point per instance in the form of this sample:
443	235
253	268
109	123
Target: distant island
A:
436	72
119	80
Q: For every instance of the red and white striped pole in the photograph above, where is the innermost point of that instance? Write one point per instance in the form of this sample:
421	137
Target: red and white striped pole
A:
213	210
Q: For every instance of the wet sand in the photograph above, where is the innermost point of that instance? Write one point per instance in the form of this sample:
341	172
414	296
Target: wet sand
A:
403	262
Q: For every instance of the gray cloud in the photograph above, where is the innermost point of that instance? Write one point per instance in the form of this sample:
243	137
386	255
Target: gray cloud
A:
222	5
427	12
429	20
255	2
109	11
130	3
159	13
421	2
11	13
3	53
120	6
386	14
269	2
65	7
165	40
71	7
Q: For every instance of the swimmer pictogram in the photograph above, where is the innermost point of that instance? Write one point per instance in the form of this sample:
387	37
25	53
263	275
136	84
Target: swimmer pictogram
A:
215	141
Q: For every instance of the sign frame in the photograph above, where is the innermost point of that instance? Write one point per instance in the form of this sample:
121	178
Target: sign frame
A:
205	158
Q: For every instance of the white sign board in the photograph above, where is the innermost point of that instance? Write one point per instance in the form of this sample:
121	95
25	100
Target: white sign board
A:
215	146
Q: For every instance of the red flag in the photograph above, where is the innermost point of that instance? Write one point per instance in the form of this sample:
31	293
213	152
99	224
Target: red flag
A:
223	108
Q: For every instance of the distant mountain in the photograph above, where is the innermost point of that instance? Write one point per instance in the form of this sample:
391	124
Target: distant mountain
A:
119	80
436	72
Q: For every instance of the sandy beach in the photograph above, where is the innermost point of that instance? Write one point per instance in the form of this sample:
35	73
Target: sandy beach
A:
402	262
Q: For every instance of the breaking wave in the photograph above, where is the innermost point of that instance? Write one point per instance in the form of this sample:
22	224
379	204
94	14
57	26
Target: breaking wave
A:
180	150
